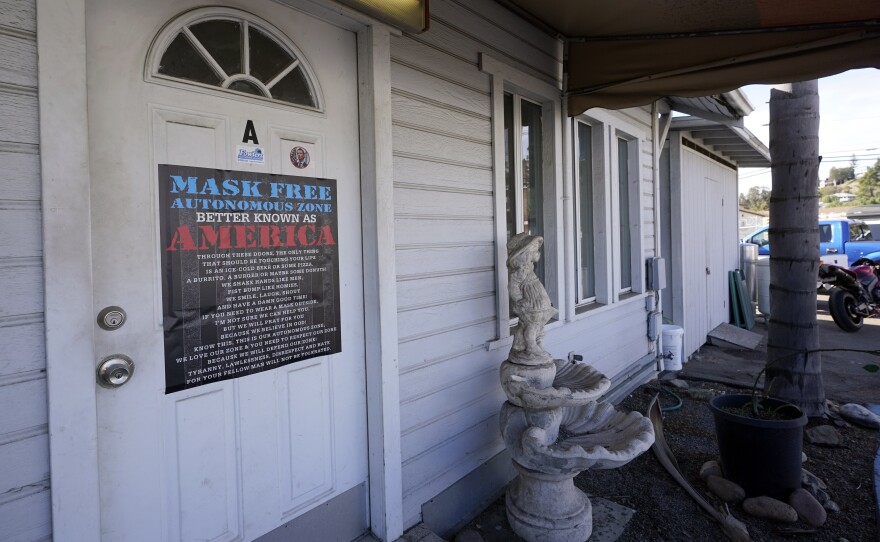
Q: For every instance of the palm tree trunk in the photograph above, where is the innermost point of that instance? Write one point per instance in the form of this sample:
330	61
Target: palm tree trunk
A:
792	375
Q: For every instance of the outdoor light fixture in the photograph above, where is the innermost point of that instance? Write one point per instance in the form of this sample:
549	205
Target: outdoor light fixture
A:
411	15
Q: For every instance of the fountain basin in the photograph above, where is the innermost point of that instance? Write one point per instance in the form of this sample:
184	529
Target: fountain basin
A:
552	385
569	440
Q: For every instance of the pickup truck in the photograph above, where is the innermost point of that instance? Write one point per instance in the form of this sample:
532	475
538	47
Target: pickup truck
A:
841	236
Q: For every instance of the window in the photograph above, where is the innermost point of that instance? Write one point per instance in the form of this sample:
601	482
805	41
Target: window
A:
763	238
826	234
526	132
523	164
585	197
236	52
626	181
606	209
859	232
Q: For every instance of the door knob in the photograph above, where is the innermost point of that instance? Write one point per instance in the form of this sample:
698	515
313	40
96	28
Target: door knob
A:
115	370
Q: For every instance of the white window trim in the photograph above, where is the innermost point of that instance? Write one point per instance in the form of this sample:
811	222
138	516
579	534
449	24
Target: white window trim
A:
506	78
599	167
634	204
608	127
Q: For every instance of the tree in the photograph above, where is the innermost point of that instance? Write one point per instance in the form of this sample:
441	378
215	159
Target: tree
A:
868	189
792	374
757	199
840	175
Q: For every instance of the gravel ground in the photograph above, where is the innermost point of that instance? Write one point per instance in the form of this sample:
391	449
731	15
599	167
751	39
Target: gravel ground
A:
664	512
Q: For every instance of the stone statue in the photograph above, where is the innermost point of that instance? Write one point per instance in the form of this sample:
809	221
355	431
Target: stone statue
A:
528	298
552	424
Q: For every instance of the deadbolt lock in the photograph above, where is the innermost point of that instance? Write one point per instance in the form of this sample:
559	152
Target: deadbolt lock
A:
115	370
111	318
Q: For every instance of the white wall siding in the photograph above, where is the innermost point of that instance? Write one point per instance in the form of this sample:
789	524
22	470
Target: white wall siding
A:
445	228
610	338
24	442
642	118
443	200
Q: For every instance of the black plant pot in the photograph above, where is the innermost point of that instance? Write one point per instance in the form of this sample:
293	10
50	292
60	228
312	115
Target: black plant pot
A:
762	456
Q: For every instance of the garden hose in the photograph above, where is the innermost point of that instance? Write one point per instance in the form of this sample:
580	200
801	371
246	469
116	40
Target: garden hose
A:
672	408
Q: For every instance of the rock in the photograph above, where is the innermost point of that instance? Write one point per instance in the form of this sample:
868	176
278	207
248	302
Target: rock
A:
726	490
808	479
809	510
833	406
678	383
710	468
770	508
823	435
818	489
468	535
831	506
700	394
804	457
860	415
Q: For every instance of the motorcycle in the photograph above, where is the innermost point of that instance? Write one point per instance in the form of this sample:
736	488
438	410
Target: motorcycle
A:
854	292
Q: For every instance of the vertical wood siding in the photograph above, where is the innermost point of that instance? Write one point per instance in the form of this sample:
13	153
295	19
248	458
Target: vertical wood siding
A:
705	223
24	442
443	199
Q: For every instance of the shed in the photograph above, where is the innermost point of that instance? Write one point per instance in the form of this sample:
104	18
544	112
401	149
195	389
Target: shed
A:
699	169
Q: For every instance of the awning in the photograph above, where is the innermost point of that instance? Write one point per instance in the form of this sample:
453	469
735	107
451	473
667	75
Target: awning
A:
627	53
736	143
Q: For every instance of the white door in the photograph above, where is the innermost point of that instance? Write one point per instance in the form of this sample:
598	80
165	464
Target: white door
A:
716	244
237	458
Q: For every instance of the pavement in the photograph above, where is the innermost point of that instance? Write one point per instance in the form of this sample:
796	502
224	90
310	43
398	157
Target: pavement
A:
843	376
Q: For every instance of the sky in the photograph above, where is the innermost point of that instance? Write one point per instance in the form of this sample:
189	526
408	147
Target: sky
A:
849	123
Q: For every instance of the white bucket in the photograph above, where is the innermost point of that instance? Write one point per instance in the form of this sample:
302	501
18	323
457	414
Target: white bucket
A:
764	286
673	336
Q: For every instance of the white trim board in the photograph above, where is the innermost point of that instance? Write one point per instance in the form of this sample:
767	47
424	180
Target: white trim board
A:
380	284
70	355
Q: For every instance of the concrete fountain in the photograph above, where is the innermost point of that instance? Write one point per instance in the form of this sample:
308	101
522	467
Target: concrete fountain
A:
552	423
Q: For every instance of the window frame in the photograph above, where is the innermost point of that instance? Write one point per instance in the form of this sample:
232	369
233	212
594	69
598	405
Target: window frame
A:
608	129
517	157
176	25
597	166
634	212
510	80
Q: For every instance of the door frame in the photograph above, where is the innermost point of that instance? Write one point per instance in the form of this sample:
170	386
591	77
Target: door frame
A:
69	315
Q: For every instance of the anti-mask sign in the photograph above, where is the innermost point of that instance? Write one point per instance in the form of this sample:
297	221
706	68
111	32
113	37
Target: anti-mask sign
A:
250	272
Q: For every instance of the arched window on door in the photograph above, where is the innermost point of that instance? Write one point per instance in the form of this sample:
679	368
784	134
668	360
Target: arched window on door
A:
235	51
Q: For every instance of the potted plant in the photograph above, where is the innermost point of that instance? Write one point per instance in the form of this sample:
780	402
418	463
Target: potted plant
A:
760	439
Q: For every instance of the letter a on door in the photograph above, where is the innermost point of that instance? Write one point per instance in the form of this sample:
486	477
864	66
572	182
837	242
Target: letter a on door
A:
250	133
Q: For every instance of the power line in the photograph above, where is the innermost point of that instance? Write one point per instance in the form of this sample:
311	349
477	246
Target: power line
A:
850	150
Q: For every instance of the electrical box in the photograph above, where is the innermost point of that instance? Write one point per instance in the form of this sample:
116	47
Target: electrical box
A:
656	274
654	323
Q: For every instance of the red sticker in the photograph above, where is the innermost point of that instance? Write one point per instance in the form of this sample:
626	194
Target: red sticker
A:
299	157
